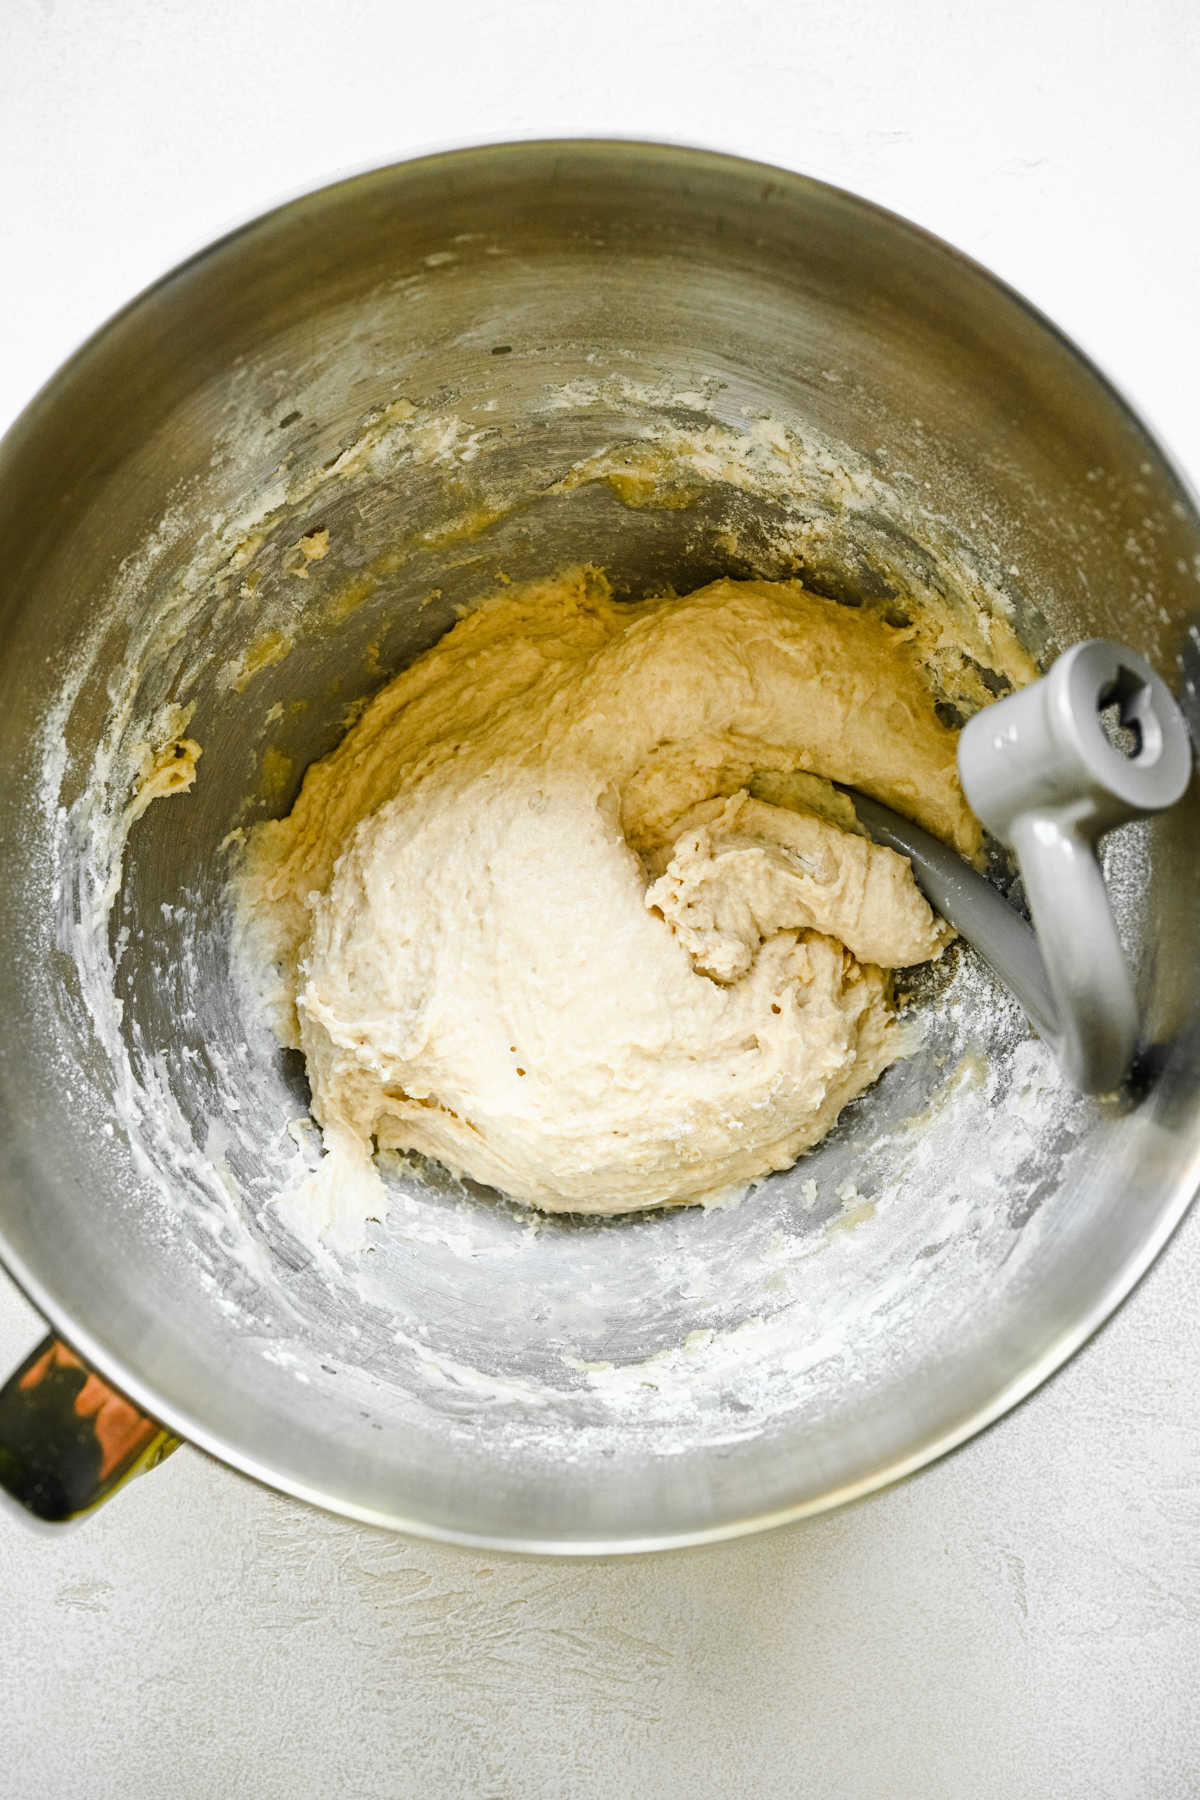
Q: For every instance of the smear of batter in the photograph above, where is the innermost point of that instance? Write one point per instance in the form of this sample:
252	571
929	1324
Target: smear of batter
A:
574	909
165	762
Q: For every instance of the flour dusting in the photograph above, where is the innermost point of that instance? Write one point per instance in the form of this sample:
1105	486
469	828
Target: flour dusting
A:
711	1324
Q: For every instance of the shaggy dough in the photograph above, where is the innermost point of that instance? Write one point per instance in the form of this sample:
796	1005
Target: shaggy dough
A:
574	909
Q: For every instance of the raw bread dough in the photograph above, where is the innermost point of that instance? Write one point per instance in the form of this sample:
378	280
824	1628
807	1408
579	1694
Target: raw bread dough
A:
574	909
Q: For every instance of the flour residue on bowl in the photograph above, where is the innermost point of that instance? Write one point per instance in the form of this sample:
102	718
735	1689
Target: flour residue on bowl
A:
230	621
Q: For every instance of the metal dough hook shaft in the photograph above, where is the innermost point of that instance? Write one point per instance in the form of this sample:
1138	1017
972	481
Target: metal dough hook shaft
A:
1040	773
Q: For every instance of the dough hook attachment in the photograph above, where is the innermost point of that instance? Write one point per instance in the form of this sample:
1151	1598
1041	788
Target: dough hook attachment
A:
1041	774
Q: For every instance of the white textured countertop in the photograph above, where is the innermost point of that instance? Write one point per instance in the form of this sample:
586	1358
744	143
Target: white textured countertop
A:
1021	1621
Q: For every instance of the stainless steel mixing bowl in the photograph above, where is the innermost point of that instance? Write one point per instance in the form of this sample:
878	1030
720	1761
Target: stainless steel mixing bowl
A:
476	367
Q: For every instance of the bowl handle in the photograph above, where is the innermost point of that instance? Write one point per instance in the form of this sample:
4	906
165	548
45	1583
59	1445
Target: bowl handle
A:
67	1439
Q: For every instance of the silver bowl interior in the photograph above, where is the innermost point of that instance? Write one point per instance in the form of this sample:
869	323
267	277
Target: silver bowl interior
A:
484	367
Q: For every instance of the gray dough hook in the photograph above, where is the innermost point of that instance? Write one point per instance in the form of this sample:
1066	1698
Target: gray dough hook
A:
1040	774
